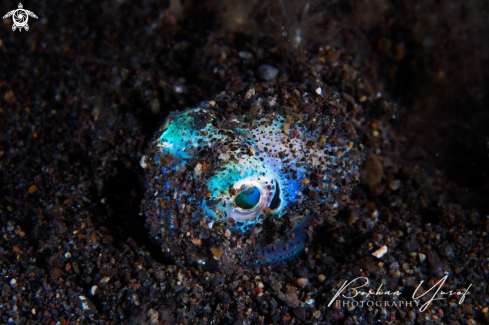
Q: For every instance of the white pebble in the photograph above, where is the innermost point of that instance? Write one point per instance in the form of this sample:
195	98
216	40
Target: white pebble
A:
245	55
104	279
84	303
178	89
380	252
422	257
143	162
250	93
319	91
267	72
309	301
198	169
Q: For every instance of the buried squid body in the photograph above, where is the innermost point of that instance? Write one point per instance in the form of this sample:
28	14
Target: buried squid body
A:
245	186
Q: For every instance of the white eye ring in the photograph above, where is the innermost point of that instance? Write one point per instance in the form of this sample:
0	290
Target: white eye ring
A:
261	183
240	214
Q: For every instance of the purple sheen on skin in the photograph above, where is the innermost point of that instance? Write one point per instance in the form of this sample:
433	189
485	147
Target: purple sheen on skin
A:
283	251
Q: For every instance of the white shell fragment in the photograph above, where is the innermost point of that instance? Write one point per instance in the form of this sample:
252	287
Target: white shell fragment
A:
198	169
143	162
380	252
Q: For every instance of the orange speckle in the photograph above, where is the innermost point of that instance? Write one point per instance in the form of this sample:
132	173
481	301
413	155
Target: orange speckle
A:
32	189
134	286
93	238
10	97
217	252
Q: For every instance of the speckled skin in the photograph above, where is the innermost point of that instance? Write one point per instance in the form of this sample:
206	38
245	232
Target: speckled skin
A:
301	160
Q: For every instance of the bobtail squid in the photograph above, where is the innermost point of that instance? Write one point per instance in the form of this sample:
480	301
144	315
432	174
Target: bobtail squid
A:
243	180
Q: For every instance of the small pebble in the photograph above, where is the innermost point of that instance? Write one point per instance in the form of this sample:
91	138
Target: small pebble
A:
245	55
380	252
198	169
104	280
178	89
267	72
309	109
153	316
309	301
372	171
155	106
290	299
55	273
302	282
32	189
217	252
10	97
276	286
250	93
394	185
422	257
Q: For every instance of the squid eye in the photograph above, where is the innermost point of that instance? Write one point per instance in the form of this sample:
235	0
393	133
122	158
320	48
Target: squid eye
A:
248	199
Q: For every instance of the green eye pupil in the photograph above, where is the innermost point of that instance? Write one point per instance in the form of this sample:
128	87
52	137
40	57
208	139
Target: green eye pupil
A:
248	199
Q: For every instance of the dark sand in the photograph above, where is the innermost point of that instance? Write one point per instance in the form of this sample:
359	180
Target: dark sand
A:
83	91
